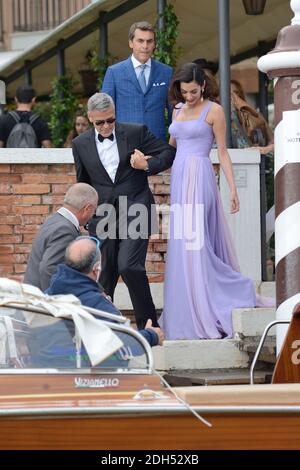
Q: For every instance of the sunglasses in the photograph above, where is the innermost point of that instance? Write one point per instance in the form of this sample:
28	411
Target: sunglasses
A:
97	252
105	121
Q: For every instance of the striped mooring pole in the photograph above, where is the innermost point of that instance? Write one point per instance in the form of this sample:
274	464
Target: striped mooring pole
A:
283	66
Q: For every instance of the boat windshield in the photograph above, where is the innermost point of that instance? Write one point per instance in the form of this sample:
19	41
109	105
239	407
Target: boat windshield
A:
32	338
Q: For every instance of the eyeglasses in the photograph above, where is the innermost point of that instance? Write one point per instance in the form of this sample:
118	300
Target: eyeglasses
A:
105	121
97	252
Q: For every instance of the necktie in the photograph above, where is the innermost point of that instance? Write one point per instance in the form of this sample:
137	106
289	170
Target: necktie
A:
101	138
142	78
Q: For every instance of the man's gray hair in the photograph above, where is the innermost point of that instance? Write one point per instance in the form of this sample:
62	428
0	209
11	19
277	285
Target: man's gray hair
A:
100	102
81	194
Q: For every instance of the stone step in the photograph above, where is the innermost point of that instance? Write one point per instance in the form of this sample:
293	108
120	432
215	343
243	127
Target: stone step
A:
122	299
267	289
186	378
204	355
236	353
200	354
246	321
252	321
268	351
123	302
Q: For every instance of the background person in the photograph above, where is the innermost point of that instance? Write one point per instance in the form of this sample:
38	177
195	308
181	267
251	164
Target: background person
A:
139	85
79	275
81	124
254	125
58	230
259	135
25	99
53	345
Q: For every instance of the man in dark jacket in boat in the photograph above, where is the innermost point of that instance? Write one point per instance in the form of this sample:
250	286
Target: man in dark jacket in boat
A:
79	276
53	345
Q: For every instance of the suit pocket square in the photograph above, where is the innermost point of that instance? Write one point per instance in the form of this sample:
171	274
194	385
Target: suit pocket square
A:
159	84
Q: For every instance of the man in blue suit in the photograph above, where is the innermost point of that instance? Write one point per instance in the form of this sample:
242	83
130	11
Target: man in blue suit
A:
139	85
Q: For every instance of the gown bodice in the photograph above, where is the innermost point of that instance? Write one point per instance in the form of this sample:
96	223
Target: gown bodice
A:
193	137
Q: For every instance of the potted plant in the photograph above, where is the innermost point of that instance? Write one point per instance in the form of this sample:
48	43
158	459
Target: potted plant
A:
93	70
63	107
166	50
88	76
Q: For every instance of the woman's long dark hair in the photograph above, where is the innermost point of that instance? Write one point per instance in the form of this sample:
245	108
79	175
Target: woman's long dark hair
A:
187	73
73	133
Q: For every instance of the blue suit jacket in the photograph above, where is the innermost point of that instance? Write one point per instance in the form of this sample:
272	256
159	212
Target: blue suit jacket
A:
132	105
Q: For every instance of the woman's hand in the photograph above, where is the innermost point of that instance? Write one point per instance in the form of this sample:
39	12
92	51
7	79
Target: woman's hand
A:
138	160
264	150
234	202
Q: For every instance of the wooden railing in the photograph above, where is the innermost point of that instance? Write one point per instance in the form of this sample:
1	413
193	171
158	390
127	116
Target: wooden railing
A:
38	15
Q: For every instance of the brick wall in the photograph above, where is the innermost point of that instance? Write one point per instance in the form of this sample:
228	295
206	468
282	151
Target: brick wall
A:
29	192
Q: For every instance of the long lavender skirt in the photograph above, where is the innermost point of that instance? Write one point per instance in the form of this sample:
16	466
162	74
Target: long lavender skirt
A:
202	280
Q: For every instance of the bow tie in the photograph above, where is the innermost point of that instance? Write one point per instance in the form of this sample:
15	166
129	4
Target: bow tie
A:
101	138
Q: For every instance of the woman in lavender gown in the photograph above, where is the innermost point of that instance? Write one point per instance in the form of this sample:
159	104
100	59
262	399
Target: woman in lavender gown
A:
202	280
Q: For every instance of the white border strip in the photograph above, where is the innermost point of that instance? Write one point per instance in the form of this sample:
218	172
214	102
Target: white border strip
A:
287	139
279	148
279	60
285	312
35	156
287	231
62	155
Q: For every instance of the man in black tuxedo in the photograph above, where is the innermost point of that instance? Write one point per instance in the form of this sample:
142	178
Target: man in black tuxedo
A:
116	159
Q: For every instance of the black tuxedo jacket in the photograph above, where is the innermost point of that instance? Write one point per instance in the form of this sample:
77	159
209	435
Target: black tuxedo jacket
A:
128	182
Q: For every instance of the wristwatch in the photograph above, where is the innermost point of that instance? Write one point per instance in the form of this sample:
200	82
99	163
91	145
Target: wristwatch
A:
147	168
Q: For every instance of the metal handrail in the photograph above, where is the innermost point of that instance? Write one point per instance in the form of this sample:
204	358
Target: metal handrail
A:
27	305
107	316
112	321
260	345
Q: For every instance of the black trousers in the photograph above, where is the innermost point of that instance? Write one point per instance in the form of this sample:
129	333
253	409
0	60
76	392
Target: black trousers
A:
126	258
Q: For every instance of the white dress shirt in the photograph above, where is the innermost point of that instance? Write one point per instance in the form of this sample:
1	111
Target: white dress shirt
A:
136	65
108	154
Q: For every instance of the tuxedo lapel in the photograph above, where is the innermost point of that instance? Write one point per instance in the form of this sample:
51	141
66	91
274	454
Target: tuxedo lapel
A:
132	75
122	149
94	156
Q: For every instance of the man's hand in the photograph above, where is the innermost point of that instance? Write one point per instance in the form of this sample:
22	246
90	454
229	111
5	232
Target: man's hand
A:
138	160
157	330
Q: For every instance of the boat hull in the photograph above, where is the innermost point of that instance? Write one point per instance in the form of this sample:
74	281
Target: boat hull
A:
152	431
128	411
